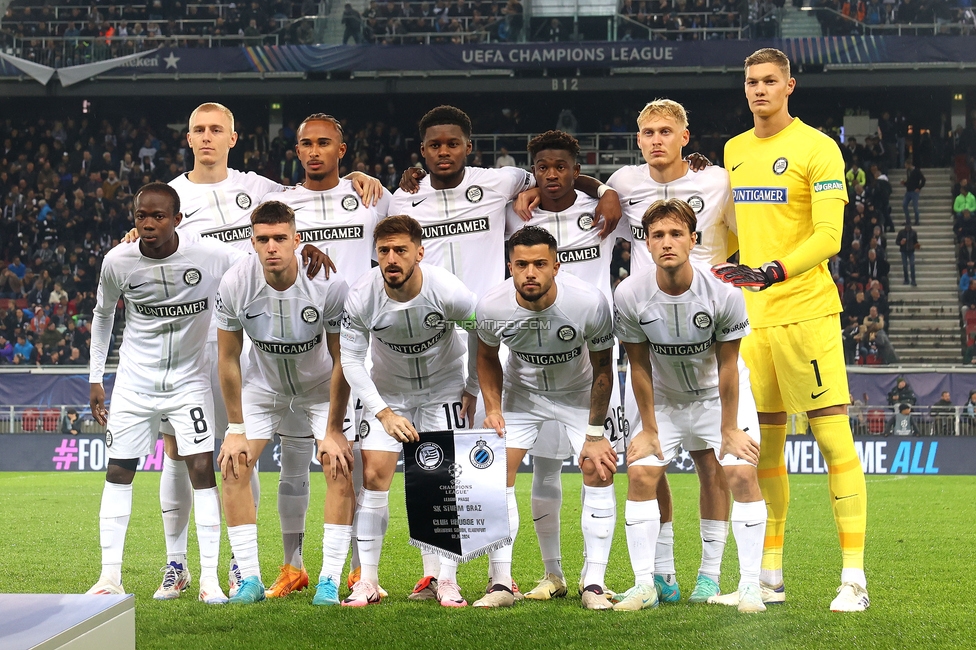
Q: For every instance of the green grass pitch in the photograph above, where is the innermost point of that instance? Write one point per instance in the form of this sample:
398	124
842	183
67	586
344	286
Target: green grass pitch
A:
920	560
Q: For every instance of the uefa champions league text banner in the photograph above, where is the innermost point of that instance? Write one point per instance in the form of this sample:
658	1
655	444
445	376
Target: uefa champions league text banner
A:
46	452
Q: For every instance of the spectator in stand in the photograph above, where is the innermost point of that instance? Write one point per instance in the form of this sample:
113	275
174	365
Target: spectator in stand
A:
70	423
874	268
851	335
965	202
877	299
902	423
504	159
943	416
6	351
352	24
966	253
875	339
968	298
907	245
968	274
857	307
914	182
23	348
902	393
852	271
855	175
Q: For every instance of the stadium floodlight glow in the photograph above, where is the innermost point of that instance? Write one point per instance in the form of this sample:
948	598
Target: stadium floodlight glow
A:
957	97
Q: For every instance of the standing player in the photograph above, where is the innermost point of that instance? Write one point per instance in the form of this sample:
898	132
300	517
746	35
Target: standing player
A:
329	215
462	212
168	282
789	178
217	203
403	311
662	132
568	215
288	317
548	326
682	329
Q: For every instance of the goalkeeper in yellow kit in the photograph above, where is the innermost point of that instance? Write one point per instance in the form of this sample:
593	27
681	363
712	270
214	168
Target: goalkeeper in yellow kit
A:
789	192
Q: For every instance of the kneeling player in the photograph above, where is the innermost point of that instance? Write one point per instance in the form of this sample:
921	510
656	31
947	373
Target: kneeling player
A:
287	316
695	394
168	282
407	309
547	327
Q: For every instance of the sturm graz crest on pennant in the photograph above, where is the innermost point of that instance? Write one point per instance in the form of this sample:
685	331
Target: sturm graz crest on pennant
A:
585	221
474	194
108	438
481	455
696	203
780	166
243	200
433	320
566	333
429	456
350	203
703	321
192	277
310	315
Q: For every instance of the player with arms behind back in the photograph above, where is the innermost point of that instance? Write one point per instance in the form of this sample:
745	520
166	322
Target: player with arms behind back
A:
788	185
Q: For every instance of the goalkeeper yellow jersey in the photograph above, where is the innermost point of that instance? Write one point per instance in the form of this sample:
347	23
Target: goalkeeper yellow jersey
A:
775	182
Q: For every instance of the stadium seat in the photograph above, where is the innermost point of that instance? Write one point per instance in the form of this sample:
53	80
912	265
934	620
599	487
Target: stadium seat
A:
876	422
30	419
51	419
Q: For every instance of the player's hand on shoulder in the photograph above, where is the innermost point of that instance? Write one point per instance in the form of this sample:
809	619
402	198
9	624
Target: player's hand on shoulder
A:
608	212
697	161
131	237
368	188
410	179
315	260
234	445
644	444
397	426
96	396
738	443
526	202
335	455
495	421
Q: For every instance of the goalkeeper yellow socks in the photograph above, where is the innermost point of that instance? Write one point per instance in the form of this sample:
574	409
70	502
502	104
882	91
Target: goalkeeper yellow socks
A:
775	486
848	492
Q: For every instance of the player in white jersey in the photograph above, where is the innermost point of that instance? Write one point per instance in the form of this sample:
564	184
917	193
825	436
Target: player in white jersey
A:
217	203
330	215
462	211
560	340
168	282
682	328
293	324
662	132
568	215
403	311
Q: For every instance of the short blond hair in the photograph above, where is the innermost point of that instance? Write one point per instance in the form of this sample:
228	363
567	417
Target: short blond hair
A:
769	55
213	106
664	108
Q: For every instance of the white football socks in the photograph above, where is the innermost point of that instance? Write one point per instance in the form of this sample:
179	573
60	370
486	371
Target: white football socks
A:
664	552
175	501
500	560
206	512
547	498
373	519
643	519
714	533
749	531
598	520
293	495
244	543
113	521
335	547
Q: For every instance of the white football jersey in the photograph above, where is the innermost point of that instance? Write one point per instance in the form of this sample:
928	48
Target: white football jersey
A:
707	192
337	223
548	349
168	308
289	354
222	210
580	250
411	341
464	227
681	330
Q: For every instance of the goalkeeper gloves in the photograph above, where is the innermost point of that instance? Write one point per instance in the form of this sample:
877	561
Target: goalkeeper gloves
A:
740	275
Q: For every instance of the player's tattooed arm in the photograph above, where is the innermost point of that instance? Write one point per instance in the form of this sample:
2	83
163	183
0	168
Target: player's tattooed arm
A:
646	443
410	179
602	363
735	441
490	379
368	188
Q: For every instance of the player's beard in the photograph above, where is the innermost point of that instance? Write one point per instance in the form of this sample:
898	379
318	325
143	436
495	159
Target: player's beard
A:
543	291
317	177
406	277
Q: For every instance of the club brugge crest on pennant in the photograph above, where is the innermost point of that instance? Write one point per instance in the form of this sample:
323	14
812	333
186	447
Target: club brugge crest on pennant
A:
703	321
780	166
566	333
350	203
192	277
696	203
481	455
243	200
474	194
108	438
429	456
433	320
585	221
310	315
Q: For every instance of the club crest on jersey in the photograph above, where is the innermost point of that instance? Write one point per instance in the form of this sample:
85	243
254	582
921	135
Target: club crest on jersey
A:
429	456
780	166
566	333
243	200
363	429
108	438
474	194
350	203
481	455
192	277
310	315
585	221
433	320
702	320
696	203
